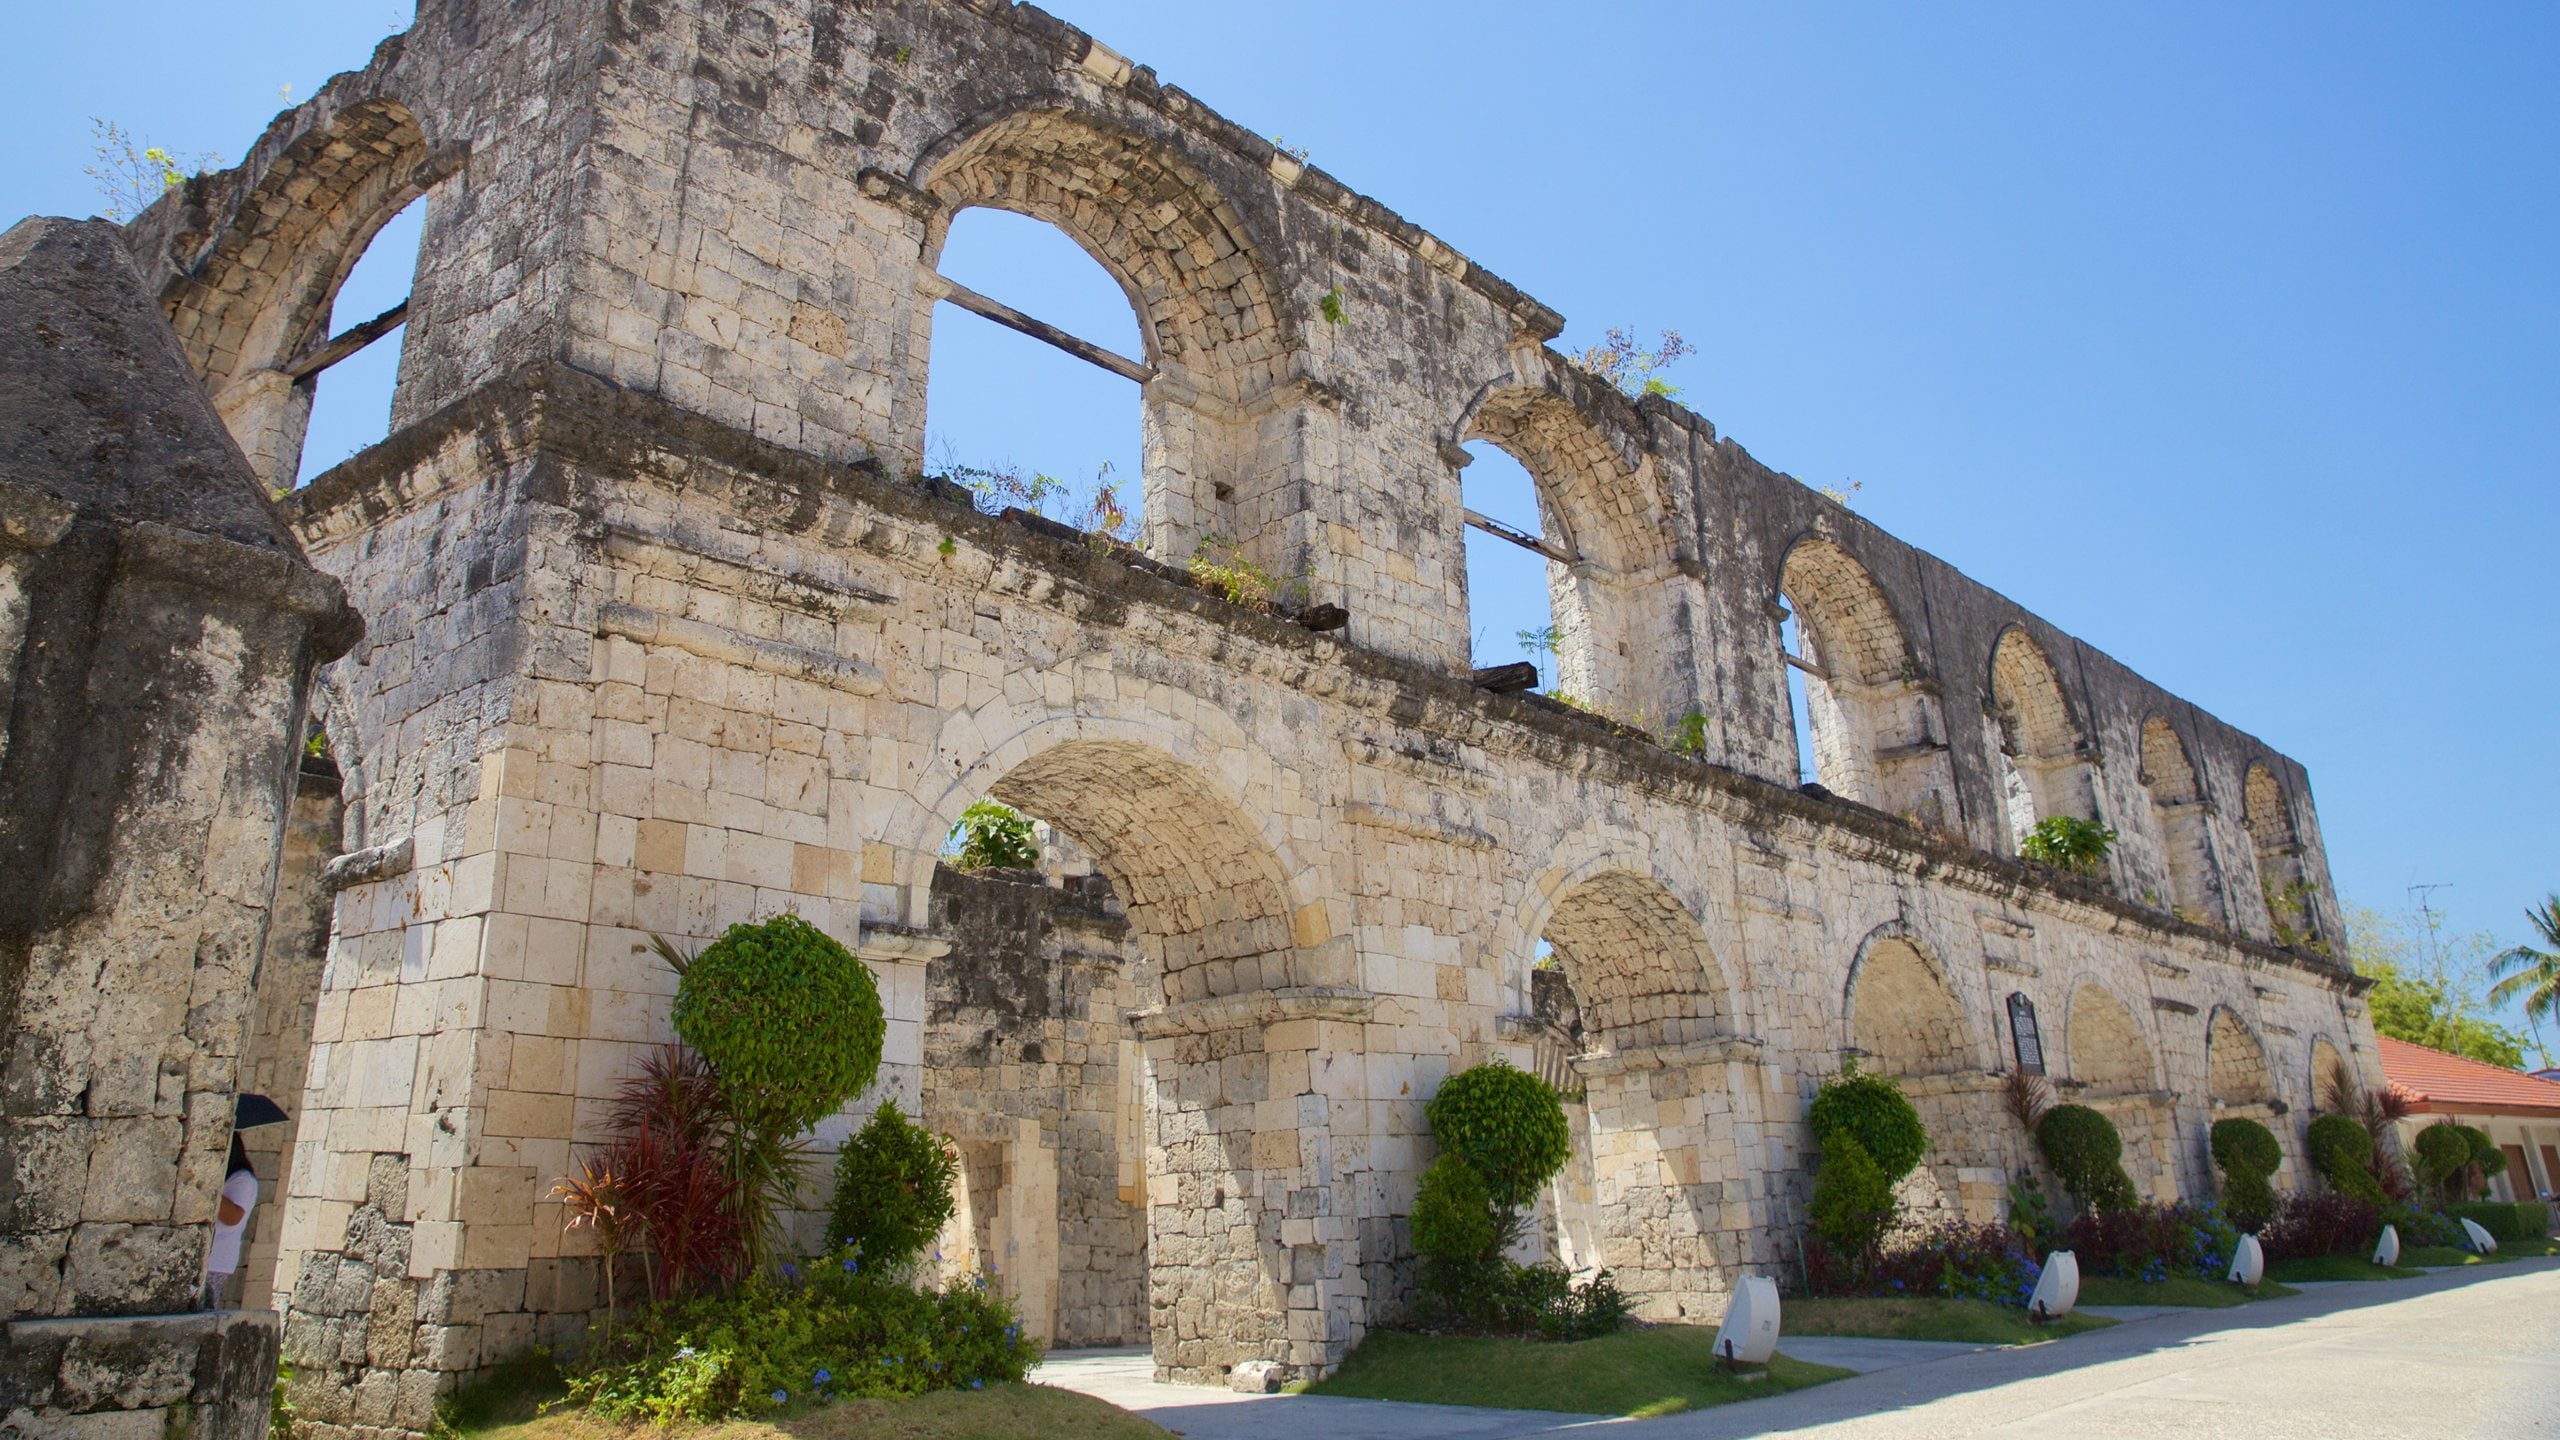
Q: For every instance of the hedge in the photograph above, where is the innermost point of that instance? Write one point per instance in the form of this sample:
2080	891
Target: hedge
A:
2523	1220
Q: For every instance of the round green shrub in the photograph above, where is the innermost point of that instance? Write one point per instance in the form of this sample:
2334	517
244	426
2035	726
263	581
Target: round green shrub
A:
893	1189
2343	1154
789	1019
2248	1154
2086	1155
2485	1153
1873	1111
1453	1218
2439	1151
1853	1202
1508	1124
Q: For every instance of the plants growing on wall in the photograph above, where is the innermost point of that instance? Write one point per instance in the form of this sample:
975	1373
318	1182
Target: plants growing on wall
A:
1502	1134
2249	1156
2067	842
2087	1156
992	835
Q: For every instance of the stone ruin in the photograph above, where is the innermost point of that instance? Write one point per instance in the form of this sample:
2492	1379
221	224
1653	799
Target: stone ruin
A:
666	627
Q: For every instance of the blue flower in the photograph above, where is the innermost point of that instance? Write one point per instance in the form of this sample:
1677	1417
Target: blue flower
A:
790	1271
825	1375
851	1265
781	1395
977	1384
685	1354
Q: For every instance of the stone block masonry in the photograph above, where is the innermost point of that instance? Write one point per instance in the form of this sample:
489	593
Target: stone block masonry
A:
158	632
667	631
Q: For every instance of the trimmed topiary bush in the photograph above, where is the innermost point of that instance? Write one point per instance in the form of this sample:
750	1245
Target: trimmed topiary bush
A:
1853	1201
893	1189
2343	1154
2248	1154
1508	1124
1453	1219
789	1019
1872	1110
2086	1155
2439	1152
2486	1157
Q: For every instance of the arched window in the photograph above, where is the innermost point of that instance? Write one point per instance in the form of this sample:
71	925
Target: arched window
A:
1599	533
2292	915
348	381
1218	472
2178	811
2235	1063
1515	567
2037	749
1861	708
1011	412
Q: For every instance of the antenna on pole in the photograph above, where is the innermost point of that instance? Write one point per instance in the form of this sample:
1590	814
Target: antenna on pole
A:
2427	912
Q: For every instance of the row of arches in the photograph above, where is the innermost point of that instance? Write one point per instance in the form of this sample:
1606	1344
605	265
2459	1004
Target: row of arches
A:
1872	729
1220	458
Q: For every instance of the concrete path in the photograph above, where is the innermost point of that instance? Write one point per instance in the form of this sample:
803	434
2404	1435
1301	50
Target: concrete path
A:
2473	1352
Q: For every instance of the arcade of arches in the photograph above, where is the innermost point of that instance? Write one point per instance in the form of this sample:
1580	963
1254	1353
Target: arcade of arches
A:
664	631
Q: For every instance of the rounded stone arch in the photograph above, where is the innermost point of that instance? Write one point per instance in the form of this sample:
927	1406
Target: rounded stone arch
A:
1900	1009
2039	747
1877	735
259	293
1641	968
1608	527
2106	1049
2317	1087
1217	905
1208	305
2266	812
334	712
2236	1070
2179	813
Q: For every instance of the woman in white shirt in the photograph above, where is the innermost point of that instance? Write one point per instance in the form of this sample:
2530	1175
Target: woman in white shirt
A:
230	1225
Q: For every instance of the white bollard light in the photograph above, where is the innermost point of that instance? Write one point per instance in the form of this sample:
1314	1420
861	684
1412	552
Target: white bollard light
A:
2482	1242
2386	1251
2057	1289
1749	1335
2248	1261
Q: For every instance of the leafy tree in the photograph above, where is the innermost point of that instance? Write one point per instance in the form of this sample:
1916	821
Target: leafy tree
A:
1853	1202
2248	1153
2087	1156
1872	1110
994	836
2419	994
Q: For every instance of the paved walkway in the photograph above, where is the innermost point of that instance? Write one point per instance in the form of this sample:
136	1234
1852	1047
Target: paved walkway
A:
2462	1353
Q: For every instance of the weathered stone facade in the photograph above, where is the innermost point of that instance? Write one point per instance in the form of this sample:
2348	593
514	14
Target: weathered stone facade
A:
667	633
158	632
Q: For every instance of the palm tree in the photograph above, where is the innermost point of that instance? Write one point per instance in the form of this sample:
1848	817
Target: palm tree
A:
2532	975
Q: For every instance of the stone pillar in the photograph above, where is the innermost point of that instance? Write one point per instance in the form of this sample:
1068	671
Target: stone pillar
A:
1664	1175
158	630
1253	1232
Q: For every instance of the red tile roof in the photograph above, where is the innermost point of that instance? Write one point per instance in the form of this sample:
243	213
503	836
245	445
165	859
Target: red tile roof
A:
2449	1084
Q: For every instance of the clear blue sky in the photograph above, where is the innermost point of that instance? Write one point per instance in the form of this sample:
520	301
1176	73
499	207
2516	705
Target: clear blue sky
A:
2226	336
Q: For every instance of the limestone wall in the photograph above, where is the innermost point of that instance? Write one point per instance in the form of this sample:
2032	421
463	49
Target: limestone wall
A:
1385	843
668	633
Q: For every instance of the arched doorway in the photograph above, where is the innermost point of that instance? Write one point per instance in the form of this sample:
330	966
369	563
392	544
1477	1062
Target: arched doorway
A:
1904	1020
2113	1071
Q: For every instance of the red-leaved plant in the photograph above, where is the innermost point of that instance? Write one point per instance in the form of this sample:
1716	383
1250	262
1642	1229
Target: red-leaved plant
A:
660	1183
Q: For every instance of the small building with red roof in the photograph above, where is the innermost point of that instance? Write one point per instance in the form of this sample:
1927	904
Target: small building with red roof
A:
2521	1112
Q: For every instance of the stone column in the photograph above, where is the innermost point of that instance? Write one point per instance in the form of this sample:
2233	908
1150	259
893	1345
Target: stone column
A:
1252	1229
158	630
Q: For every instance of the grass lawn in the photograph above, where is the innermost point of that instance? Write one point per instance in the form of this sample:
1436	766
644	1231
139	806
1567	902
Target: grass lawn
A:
507	1405
2441	1255
1656	1370
2336	1267
2177	1290
1977	1321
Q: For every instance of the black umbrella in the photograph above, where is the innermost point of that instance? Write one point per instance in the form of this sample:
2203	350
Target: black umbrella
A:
253	1111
